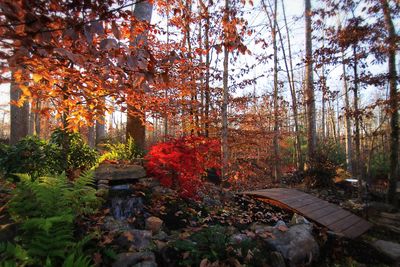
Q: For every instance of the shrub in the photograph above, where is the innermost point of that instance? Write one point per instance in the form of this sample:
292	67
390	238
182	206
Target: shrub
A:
31	155
334	152
181	163
46	209
122	151
321	171
76	153
215	244
379	166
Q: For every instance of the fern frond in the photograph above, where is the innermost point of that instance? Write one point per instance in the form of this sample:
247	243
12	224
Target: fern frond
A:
77	261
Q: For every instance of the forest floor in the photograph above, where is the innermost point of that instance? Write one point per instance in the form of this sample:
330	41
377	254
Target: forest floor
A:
179	235
146	224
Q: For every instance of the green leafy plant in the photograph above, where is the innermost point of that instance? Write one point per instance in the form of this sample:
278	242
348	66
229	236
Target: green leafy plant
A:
75	152
46	209
214	243
31	155
122	151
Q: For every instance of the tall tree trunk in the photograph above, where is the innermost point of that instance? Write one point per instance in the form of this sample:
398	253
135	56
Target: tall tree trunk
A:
100	131
91	136
299	156
19	116
207	94
394	120
357	164
201	84
37	117
135	127
310	102
273	26
225	97
349	151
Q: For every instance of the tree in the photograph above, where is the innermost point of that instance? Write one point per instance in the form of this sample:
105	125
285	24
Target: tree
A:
135	126
225	96
309	86
274	28
290	75
394	120
19	115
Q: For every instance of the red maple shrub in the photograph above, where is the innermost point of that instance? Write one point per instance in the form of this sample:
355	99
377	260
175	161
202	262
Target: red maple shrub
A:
181	163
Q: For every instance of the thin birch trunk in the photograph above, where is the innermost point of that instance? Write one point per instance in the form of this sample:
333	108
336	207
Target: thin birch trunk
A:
225	97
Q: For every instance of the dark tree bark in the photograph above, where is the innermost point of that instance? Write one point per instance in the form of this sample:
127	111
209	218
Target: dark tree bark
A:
393	102
224	108
309	86
135	127
19	116
100	131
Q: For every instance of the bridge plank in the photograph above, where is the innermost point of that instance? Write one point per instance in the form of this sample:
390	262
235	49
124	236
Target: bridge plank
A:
322	212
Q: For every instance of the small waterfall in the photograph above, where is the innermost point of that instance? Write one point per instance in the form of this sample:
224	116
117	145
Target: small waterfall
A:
122	204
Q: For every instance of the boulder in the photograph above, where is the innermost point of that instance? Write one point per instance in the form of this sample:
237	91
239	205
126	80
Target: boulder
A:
146	264
162	236
239	238
296	244
298	219
129	259
154	224
117	172
390	249
140	238
103	182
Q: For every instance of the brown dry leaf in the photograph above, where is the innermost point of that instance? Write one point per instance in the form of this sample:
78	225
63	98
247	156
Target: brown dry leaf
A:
250	234
97	259
204	263
108	239
266	234
282	228
128	236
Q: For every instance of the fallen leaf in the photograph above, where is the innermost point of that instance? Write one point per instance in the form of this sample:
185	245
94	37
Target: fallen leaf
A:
282	228
128	236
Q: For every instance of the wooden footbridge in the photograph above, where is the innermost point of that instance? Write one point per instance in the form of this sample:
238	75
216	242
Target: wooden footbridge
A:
320	211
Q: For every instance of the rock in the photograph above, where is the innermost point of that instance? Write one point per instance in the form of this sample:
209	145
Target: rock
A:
160	244
161	190
119	172
146	264
390	249
162	236
103	182
154	224
123	207
277	259
129	259
298	219
259	228
138	161
296	244
113	225
103	187
239	238
140	238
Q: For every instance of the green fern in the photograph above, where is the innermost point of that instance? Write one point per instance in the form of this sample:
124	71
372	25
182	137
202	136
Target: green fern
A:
77	261
46	208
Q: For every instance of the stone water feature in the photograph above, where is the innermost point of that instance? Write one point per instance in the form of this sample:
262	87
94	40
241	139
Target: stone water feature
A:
126	208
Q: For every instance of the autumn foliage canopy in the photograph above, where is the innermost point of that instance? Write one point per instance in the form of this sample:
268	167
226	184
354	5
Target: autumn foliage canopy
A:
181	163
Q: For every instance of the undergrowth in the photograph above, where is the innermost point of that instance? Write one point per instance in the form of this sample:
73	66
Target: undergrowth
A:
46	209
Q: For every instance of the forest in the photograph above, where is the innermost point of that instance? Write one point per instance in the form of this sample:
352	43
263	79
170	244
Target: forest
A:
199	133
